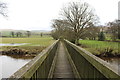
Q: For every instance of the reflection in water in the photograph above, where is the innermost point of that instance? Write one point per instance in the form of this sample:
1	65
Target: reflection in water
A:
9	65
115	62
12	44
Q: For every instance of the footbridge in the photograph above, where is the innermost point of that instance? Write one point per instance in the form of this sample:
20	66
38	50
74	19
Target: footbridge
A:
64	60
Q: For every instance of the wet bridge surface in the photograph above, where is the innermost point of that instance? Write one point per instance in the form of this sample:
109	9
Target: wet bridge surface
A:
62	68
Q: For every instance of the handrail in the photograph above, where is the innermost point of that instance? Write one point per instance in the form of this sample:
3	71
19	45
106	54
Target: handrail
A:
85	64
39	66
88	65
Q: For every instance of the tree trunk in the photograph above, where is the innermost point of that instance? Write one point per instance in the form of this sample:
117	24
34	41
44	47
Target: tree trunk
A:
77	41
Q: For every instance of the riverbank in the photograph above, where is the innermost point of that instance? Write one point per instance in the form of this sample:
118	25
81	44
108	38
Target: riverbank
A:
103	52
21	51
32	46
101	48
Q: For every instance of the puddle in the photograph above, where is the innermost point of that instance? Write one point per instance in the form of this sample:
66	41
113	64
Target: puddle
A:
39	45
12	44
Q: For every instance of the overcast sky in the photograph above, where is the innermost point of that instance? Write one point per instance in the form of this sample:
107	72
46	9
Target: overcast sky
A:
37	14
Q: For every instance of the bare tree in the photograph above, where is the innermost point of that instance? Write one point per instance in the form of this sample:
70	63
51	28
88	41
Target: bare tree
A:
60	28
56	33
41	34
28	33
12	34
0	34
19	34
78	16
114	29
91	32
3	9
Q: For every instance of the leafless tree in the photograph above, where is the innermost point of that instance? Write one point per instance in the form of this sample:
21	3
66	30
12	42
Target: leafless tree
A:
28	33
91	32
78	16
58	28
3	8
13	34
41	34
114	29
19	34
61	29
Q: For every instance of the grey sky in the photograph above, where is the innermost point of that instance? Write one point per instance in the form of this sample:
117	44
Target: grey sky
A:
119	10
37	14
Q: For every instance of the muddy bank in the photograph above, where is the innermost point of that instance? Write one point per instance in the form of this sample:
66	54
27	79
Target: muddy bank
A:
30	51
108	55
25	57
107	52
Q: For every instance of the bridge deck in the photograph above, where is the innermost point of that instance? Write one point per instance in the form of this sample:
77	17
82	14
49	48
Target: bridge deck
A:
62	68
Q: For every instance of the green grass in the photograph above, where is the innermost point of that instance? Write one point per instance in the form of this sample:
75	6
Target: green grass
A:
99	44
40	41
96	47
35	46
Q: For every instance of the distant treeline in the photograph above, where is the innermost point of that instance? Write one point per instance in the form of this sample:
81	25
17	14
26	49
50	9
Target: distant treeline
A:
23	34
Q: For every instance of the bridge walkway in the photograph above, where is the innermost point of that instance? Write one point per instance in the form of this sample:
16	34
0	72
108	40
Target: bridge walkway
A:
62	68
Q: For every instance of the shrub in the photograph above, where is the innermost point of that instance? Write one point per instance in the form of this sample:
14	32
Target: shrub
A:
101	36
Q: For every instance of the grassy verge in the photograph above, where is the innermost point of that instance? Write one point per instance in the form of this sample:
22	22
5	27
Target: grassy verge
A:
102	48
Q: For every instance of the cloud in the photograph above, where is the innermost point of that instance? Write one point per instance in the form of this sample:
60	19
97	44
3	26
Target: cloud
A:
37	14
119	10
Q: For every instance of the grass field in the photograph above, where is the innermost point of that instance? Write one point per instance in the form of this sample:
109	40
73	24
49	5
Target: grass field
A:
32	41
98	47
35	45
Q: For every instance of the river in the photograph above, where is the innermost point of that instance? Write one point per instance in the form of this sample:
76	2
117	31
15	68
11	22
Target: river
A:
9	65
115	62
